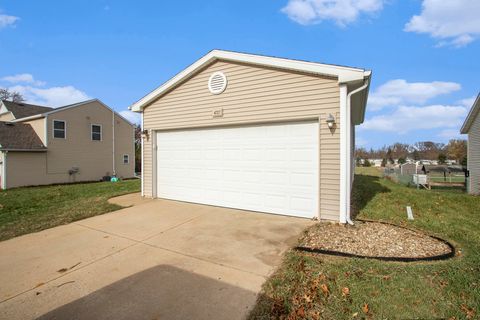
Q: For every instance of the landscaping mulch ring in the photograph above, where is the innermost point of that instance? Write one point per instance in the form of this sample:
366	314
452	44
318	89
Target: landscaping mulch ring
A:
375	240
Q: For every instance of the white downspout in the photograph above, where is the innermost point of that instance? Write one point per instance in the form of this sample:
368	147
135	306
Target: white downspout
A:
4	173
141	152
348	147
113	143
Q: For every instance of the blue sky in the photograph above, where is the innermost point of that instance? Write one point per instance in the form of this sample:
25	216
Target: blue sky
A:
424	54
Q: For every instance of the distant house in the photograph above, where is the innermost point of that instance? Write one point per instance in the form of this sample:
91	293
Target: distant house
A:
80	142
376	162
471	126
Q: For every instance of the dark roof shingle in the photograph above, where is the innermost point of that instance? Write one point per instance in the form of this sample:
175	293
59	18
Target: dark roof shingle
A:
19	136
22	110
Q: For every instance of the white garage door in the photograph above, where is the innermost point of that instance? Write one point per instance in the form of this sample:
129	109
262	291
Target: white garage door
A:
267	168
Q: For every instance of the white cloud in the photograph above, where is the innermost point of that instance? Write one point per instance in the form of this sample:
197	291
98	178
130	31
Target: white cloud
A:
22	78
6	20
133	117
342	12
448	134
468	102
35	92
454	23
52	97
405	119
399	91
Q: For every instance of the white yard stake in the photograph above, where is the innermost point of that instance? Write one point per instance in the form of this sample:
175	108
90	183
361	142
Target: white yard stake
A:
409	213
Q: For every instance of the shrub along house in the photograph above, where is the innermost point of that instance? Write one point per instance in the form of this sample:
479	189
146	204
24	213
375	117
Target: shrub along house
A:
256	133
79	142
471	127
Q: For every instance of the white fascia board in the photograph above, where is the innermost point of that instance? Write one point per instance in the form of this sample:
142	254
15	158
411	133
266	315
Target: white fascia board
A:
344	74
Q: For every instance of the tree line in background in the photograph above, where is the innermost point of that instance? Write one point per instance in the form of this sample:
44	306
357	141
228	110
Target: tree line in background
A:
455	149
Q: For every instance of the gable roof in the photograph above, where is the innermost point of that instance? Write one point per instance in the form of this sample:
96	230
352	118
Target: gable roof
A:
78	104
22	110
19	137
471	116
344	74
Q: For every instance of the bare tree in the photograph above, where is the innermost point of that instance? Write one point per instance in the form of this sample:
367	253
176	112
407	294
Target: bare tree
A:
17	97
14	96
4	94
138	148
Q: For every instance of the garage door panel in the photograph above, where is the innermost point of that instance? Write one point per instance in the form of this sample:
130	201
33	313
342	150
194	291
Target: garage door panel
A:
269	168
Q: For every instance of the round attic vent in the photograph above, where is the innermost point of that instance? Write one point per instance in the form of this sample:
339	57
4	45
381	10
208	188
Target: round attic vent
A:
217	82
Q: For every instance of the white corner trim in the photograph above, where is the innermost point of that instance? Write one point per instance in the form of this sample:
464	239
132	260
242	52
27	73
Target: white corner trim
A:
4	170
141	152
344	74
343	154
45	120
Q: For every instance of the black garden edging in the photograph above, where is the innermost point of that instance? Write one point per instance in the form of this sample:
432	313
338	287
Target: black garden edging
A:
444	256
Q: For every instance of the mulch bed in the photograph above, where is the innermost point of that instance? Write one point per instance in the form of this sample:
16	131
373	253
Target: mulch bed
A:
368	239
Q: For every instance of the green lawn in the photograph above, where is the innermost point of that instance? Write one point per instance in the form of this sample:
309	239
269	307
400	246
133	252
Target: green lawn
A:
314	286
25	210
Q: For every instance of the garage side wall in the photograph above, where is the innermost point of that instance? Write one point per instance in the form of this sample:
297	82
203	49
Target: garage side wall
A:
473	157
254	95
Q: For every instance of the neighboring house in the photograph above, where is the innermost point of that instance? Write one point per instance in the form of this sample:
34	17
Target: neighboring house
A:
80	142
471	126
376	162
256	133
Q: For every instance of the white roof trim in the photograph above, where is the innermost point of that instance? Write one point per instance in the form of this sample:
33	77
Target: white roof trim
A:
471	116
344	74
41	115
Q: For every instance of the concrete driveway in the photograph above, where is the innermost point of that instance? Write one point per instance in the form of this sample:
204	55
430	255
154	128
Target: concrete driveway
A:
159	259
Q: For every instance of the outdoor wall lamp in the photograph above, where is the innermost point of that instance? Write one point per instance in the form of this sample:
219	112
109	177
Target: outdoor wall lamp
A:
145	134
330	121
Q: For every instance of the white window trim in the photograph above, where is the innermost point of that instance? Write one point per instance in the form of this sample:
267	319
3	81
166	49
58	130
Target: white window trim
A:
91	131
64	128
128	159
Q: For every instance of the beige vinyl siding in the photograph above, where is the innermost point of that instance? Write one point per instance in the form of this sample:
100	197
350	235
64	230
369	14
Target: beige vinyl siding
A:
93	158
254	95
39	126
26	169
474	156
124	144
7	116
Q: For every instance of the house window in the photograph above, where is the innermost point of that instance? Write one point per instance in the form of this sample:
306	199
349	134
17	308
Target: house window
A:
59	129
96	132
126	159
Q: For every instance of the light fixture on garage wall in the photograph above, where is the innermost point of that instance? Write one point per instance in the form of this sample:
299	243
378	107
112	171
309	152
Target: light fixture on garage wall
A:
330	121
145	134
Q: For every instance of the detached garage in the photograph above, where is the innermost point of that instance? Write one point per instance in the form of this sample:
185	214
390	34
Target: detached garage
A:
256	133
